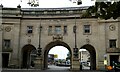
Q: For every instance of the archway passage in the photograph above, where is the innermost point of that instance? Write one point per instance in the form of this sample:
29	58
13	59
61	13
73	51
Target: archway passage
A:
5	59
92	52
26	55
50	46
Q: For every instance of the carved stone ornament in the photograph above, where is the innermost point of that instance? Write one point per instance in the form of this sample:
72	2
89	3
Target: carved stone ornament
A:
8	29
57	37
112	27
87	41
29	41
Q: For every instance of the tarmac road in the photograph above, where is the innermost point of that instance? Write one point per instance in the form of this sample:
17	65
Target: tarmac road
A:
51	68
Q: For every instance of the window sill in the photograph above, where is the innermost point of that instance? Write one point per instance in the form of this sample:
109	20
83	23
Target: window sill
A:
7	50
29	34
87	33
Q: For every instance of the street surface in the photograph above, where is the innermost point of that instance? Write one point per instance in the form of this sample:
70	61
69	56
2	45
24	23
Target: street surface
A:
51	68
85	67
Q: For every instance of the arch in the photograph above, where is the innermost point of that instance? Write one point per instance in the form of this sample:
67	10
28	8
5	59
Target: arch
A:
26	51
51	45
92	52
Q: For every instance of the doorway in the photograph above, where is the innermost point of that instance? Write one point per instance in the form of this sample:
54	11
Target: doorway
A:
114	58
5	60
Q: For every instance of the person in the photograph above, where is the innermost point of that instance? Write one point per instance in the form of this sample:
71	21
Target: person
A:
105	63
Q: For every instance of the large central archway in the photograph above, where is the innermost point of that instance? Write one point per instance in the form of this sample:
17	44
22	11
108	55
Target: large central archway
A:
92	52
53	44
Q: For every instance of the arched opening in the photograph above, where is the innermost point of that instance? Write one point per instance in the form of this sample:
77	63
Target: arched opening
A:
28	56
5	59
91	56
50	46
58	58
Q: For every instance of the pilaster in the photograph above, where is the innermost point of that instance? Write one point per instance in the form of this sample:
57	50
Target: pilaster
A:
38	63
75	64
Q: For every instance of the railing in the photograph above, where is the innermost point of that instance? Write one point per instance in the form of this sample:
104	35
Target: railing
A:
50	13
40	11
7	50
113	50
10	11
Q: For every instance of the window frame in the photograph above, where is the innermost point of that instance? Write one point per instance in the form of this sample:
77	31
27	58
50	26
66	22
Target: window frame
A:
65	30
7	43
50	30
112	43
87	29
57	30
29	29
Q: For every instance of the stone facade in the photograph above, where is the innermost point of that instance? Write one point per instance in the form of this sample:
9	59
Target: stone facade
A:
93	34
0	39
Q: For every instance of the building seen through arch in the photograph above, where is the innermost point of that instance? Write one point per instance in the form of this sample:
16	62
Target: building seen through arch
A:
23	30
58	56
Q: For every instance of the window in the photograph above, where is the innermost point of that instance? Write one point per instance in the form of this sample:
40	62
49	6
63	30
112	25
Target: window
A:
65	29
112	43
29	29
50	30
57	29
86	28
6	43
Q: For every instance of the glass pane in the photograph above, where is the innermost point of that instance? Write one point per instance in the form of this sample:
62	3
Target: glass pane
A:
86	28
112	43
6	43
58	29
30	29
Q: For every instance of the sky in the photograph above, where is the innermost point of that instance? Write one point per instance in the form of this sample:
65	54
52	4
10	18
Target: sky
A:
46	3
61	51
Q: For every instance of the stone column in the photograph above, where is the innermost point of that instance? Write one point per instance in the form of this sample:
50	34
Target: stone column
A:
75	61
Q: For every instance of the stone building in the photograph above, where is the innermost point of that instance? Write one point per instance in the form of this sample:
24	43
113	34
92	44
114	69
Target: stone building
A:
84	56
23	30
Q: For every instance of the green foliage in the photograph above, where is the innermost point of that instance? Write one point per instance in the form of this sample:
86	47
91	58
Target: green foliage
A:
68	56
104	10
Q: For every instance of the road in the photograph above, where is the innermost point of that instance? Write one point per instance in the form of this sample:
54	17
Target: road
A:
85	67
51	68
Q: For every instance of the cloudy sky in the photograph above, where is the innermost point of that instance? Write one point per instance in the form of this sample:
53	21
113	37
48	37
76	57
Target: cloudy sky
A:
60	51
46	3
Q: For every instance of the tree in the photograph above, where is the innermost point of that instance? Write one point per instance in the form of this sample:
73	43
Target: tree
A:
104	10
68	56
